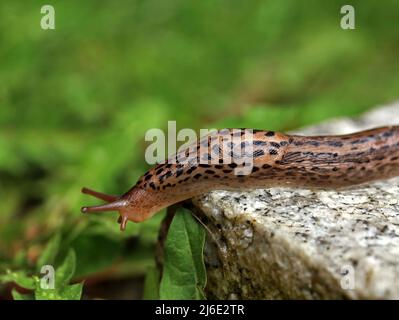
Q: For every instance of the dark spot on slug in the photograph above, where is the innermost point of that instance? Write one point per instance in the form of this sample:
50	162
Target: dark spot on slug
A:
244	144
179	172
314	143
273	152
168	174
206	157
337	144
258	153
270	134
357	141
216	149
191	169
388	134
259	143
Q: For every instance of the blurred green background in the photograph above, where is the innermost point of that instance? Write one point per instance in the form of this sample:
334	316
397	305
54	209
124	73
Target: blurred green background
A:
75	103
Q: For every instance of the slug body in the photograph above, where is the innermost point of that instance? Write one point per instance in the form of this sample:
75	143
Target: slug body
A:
277	160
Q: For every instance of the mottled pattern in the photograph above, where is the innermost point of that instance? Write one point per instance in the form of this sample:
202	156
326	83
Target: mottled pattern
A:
297	243
217	162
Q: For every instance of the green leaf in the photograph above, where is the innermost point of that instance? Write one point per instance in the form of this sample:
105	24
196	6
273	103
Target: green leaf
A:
19	277
63	275
184	275
46	294
19	296
50	252
72	292
61	291
151	284
66	270
66	292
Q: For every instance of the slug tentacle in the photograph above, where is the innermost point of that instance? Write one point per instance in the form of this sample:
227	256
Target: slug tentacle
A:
277	159
99	195
117	205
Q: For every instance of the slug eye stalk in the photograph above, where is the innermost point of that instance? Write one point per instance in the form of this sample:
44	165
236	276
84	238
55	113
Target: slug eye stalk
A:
114	204
99	195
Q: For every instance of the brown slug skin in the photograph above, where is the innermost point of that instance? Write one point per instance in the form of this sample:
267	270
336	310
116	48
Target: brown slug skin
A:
278	160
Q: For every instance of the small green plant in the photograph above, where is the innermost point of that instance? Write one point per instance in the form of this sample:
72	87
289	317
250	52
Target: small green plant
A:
184	274
59	288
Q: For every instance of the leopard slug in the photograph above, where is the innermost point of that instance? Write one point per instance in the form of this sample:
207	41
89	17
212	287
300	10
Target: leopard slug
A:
328	162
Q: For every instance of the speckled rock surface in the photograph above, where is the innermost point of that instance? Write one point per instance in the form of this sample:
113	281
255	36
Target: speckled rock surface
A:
282	243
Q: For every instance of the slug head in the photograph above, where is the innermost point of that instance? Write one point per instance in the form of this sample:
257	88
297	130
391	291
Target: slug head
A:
127	205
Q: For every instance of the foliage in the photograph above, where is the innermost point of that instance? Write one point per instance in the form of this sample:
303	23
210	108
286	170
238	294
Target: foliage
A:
151	284
184	274
75	103
40	287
